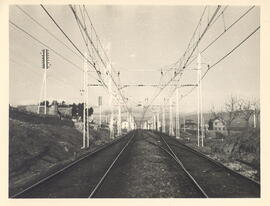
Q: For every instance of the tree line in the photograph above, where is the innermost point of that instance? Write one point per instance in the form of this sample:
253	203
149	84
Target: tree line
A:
236	107
76	111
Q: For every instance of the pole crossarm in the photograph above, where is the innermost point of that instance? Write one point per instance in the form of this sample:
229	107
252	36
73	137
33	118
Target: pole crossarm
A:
153	85
95	85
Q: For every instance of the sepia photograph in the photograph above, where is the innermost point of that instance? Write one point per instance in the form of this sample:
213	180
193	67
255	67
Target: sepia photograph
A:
134	101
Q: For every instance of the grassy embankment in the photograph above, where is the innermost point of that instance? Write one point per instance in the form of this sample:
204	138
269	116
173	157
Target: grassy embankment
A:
40	145
239	151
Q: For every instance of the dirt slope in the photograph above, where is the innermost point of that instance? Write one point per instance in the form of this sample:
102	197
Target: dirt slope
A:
36	149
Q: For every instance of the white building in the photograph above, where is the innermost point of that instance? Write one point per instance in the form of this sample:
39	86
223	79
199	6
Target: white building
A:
125	125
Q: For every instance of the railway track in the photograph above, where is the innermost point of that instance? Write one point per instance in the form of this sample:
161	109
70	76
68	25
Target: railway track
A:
136	174
81	178
213	178
139	165
171	153
98	185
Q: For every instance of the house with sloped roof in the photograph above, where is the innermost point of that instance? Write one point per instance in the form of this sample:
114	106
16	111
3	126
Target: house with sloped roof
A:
216	125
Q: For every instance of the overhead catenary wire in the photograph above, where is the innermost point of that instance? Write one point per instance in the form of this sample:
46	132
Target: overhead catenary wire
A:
103	53
218	37
86	44
84	28
222	58
73	44
187	60
47	30
201	36
27	67
227	54
199	23
193	35
47	46
58	26
99	56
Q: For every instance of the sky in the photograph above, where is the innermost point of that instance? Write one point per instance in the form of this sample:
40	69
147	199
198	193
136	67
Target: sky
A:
143	40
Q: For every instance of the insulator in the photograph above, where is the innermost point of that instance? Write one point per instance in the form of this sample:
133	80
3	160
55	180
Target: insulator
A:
47	58
43	58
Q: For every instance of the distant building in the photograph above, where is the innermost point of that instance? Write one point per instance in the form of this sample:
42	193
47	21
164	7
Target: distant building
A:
54	109
216	124
189	125
125	125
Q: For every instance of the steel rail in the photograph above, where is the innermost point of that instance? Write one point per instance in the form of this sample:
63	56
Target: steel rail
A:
183	167
43	180
98	185
200	154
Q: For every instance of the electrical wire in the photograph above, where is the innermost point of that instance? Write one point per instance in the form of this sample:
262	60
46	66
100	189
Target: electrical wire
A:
181	70
219	36
44	28
42	43
101	59
226	30
47	46
58	26
212	42
73	44
222	58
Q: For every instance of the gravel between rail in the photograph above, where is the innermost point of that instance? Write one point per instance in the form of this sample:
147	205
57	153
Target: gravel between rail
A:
145	171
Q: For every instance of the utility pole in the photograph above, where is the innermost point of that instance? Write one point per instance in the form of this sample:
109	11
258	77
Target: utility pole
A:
158	125
202	120
152	125
199	104
171	133
100	104
130	121
109	78
177	129
119	130
163	117
254	117
155	122
45	83
111	106
45	66
84	99
184	119
87	103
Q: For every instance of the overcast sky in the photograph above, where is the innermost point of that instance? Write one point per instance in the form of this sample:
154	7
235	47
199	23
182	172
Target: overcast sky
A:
145	38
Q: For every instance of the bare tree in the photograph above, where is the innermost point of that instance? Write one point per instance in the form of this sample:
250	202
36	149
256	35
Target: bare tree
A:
245	109
257	112
216	114
232	111
249	107
229	113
